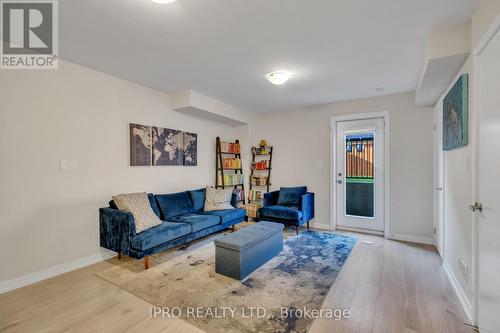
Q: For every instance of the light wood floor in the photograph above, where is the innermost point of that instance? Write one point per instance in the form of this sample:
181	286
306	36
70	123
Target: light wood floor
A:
388	286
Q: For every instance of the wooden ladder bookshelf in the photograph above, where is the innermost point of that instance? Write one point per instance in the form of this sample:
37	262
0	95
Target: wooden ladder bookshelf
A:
256	157
220	170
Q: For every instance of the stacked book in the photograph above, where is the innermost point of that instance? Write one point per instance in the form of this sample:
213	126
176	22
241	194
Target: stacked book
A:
255	195
262	150
231	163
230	147
231	179
240	193
259	180
262	165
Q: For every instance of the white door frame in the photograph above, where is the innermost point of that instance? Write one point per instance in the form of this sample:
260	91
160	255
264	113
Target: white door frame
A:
333	164
483	43
439	185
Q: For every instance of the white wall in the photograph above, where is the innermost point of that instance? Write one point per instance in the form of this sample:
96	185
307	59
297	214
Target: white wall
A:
485	13
458	195
302	156
459	232
49	218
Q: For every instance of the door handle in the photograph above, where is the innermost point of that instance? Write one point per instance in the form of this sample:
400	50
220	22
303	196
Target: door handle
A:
477	207
339	181
439	188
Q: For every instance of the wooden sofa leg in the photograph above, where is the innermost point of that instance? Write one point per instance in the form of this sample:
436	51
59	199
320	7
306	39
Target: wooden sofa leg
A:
307	224
146	262
119	256
297	230
233	228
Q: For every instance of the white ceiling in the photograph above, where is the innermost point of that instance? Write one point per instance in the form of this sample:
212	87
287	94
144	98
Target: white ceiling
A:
338	49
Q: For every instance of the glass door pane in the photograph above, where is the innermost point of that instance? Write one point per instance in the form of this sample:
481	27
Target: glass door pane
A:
359	177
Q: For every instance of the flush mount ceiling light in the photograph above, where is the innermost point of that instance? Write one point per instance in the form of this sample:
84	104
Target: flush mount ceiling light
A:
278	77
163	1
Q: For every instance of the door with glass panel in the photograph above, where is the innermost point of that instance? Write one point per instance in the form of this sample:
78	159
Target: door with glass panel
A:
360	174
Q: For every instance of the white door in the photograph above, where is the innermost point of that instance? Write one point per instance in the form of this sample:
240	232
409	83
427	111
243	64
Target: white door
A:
439	183
360	174
489	187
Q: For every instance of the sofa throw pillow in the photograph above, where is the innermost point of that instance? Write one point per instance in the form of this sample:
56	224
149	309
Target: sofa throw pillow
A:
216	199
290	196
138	204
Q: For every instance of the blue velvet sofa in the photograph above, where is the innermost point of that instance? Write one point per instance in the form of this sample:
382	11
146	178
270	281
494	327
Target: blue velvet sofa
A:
183	221
290	205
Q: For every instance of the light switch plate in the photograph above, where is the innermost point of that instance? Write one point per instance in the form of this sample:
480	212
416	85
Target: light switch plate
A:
68	165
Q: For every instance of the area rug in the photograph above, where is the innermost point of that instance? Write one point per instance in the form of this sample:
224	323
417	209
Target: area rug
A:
188	287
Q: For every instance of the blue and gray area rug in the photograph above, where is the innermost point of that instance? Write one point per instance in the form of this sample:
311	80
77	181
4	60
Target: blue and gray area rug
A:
184	282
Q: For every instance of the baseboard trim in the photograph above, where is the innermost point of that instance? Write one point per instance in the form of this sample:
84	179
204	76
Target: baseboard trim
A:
412	239
464	301
362	231
44	274
318	226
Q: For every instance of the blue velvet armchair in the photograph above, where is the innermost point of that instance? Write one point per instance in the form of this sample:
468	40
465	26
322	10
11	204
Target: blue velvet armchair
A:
292	206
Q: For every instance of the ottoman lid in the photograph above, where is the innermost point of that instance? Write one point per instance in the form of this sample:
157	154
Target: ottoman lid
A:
249	236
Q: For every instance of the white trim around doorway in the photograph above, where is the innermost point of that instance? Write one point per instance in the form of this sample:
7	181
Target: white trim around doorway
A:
333	165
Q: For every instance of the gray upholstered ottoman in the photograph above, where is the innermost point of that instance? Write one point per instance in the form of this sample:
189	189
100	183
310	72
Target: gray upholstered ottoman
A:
240	253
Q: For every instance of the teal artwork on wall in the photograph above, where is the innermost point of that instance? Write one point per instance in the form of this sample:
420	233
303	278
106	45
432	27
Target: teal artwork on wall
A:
456	115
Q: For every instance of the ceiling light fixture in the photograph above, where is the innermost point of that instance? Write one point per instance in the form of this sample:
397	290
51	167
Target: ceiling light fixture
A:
278	77
163	1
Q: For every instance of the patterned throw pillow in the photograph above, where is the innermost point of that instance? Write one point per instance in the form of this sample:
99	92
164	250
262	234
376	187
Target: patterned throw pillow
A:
216	199
138	204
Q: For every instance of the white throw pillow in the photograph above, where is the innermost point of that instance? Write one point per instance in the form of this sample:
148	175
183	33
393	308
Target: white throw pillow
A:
216	199
138	204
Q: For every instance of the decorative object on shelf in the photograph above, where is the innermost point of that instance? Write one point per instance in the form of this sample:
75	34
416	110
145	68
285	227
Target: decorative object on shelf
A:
190	149
228	168
150	145
455	115
168	146
140	145
260	177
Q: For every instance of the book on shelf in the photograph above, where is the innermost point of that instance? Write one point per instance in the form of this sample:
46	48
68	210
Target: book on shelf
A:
259	180
255	195
262	150
241	194
230	179
230	147
261	165
231	163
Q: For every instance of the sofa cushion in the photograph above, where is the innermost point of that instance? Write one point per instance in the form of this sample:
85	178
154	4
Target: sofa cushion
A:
218	199
290	196
197	221
228	215
152	202
159	234
281	212
197	199
138	204
174	204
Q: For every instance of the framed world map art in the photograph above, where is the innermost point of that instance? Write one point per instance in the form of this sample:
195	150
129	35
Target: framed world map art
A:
150	145
140	145
190	149
168	146
456	115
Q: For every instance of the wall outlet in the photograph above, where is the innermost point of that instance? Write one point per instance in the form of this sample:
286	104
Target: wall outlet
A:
464	269
68	165
319	164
